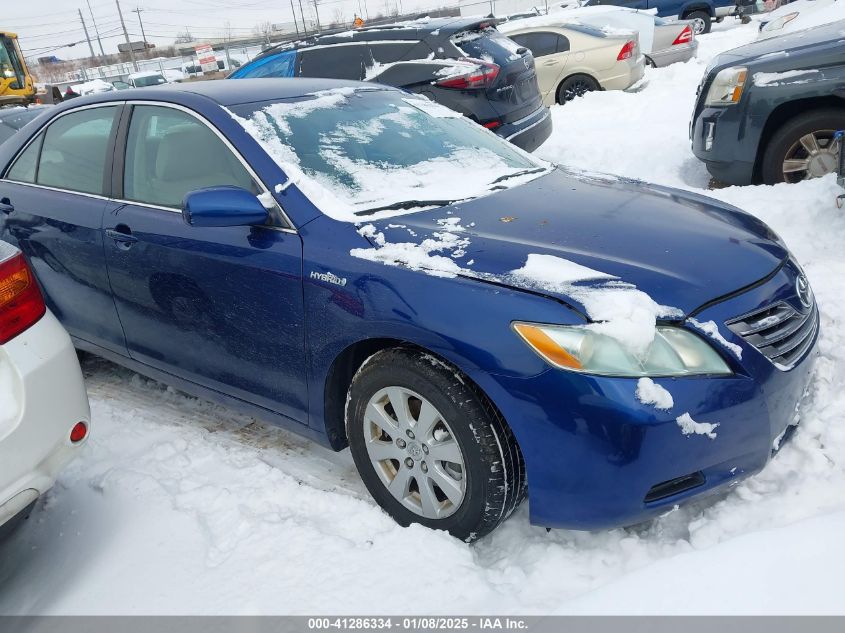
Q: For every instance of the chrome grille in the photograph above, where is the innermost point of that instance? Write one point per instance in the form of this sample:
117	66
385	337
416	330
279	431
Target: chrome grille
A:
782	333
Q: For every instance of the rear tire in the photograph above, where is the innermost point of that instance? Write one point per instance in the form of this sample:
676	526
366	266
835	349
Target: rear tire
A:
791	145
479	480
575	86
701	21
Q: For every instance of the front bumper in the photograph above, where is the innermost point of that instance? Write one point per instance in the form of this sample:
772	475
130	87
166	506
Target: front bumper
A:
46	384
528	133
598	458
726	142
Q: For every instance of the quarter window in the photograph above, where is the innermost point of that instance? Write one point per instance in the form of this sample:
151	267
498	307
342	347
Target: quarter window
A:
170	153
73	155
24	169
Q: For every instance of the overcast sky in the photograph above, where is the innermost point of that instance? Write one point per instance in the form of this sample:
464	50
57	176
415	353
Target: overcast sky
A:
47	24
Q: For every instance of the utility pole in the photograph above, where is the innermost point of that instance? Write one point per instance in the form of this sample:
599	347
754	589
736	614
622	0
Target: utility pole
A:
126	35
85	28
143	35
96	30
302	13
317	13
295	24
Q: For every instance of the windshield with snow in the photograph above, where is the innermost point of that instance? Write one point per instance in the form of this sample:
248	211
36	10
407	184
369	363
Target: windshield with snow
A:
356	151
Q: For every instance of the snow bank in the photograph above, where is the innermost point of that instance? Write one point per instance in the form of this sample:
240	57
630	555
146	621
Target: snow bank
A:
649	392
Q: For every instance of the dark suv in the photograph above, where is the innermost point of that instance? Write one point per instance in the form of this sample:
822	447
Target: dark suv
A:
462	63
768	111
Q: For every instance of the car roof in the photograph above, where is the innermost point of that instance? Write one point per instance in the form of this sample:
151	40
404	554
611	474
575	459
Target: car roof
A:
413	30
226	92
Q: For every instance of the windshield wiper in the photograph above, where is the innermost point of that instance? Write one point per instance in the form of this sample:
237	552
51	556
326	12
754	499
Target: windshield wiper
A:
524	172
406	205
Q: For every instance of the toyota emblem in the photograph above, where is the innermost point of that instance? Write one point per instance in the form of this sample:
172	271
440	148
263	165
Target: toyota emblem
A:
805	293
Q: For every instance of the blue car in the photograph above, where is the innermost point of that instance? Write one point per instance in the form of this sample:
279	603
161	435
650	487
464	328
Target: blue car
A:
368	268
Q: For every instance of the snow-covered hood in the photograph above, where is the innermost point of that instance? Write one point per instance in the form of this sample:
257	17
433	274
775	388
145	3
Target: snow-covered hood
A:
680	248
795	49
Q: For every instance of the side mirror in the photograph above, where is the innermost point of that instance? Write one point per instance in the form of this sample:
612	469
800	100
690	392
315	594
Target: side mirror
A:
223	206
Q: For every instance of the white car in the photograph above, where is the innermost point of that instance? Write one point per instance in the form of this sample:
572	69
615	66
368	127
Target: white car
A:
146	79
800	15
44	414
573	58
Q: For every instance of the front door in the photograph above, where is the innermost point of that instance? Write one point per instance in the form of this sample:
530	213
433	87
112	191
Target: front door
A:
219	306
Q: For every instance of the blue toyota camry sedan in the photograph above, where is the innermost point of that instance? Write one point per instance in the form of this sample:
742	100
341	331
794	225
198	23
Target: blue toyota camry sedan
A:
367	268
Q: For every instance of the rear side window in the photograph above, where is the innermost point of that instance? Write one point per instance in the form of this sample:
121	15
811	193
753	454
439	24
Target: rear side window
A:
278	65
389	53
170	153
73	155
334	62
24	169
542	43
489	45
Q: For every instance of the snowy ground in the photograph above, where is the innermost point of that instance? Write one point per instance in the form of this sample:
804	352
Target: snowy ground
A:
180	506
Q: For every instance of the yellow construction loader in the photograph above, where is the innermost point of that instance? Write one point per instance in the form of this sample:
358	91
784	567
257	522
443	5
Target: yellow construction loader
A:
16	84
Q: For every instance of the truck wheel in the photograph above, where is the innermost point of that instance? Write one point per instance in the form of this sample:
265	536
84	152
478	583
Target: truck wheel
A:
803	147
575	86
430	447
700	21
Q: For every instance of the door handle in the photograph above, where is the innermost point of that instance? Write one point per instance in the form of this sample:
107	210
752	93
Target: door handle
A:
6	206
122	235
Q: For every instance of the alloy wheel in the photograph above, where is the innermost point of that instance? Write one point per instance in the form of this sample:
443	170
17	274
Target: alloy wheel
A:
698	26
414	452
576	89
813	155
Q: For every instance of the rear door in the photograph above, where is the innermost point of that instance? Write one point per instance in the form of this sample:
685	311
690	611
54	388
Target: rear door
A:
551	52
515	93
54	195
218	306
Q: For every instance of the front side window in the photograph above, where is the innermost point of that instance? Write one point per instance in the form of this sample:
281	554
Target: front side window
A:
356	150
170	153
73	155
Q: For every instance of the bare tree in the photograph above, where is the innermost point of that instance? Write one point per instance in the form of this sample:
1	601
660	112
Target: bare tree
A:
263	30
184	37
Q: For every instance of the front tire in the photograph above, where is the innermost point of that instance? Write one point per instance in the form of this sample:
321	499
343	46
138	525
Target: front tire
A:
430	447
574	87
803	147
701	21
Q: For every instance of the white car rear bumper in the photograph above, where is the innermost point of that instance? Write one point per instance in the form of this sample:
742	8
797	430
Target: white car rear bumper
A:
42	397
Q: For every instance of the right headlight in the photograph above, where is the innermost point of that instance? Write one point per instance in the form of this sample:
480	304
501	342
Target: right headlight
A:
727	87
777	25
674	352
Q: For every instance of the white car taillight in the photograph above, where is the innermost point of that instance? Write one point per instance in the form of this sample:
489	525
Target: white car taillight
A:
21	303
